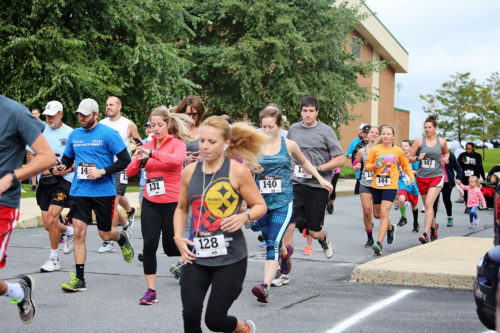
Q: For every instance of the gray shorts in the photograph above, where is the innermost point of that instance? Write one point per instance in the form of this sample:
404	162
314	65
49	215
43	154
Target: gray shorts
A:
121	182
364	189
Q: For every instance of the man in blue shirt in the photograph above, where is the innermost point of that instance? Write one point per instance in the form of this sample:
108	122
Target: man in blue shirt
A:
92	148
18	128
350	150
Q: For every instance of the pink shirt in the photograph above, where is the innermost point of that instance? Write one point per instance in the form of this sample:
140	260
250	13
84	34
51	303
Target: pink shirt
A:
474	196
445	174
165	162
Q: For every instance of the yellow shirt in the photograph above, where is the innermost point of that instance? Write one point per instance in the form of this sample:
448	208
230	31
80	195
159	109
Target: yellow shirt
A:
386	177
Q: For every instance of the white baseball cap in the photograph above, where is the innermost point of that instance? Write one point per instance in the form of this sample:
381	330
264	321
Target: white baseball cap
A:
362	125
52	108
88	106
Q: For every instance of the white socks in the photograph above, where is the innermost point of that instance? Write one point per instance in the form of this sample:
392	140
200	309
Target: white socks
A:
15	291
69	232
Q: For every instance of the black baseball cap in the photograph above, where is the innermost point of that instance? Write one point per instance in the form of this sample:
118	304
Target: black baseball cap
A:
366	128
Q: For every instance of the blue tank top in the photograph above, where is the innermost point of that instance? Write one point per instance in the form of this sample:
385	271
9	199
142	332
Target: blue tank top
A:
274	182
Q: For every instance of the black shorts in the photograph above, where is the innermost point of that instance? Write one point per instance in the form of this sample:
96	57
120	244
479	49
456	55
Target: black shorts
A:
386	195
309	205
56	193
103	207
121	182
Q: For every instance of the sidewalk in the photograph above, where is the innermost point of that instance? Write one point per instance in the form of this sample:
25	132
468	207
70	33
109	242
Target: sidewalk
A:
30	216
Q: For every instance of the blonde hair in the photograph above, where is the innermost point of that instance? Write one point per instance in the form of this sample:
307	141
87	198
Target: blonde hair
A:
246	140
177	122
380	128
475	179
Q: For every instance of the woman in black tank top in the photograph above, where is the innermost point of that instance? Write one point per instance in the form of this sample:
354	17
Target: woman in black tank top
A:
214	187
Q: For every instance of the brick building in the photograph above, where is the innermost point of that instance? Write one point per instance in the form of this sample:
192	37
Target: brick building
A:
372	41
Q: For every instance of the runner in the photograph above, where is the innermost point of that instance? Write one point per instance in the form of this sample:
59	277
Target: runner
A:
430	178
162	158
92	148
214	188
365	187
127	130
275	185
192	106
383	161
319	144
351	154
408	193
18	129
448	185
52	194
472	165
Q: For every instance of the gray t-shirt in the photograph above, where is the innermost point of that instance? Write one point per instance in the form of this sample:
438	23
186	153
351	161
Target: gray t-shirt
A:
18	128
319	144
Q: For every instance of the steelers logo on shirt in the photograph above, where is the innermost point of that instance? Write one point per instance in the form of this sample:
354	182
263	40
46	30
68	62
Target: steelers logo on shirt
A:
221	199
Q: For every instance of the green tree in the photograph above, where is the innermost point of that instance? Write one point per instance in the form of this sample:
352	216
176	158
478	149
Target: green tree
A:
452	104
69	50
252	52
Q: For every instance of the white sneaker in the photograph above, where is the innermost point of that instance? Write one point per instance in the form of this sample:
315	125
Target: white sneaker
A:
327	246
280	280
69	244
51	265
106	247
128	228
476	222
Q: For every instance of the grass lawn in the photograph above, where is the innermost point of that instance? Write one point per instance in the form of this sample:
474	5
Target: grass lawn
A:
30	194
492	158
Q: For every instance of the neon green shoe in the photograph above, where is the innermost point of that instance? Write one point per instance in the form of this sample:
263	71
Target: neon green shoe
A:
75	285
127	249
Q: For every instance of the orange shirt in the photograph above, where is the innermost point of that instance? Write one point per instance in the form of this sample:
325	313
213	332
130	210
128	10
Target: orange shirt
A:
386	178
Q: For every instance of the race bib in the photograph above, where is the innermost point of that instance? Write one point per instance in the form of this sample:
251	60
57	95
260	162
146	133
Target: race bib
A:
406	179
383	180
469	173
82	170
270	184
368	175
428	163
155	186
210	246
300	172
123	178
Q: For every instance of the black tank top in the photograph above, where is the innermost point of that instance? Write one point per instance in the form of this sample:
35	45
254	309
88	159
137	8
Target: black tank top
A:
220	200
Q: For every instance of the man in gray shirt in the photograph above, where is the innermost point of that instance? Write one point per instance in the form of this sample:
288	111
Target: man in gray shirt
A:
320	146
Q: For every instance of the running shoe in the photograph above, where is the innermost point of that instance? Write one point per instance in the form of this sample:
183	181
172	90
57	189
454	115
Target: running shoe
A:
26	306
327	246
416	228
424	238
175	269
127	249
329	207
250	324
467	210
285	261
450	222
377	248
391	234
75	285
131	215
106	247
149	298
308	250
69	245
476	222
434	233
128	228
51	265
461	200
369	243
280	280
402	221
140	257
33	188
470	225
261	292
261	238
263	244
422	210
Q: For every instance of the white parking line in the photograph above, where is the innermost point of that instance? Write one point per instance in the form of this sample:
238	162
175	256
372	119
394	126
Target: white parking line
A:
368	311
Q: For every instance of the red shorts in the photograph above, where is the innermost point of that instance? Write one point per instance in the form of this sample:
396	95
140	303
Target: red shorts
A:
424	184
8	220
412	198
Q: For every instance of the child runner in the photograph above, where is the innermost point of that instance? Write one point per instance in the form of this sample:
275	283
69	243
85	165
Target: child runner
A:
474	196
408	193
382	160
365	186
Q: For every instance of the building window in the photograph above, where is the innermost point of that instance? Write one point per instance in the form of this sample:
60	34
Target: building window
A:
356	47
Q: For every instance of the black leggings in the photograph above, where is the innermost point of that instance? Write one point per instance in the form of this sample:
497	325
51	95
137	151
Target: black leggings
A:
335	178
446	191
156	219
226	282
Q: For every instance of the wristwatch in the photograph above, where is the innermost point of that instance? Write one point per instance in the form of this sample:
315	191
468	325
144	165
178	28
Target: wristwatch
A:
102	172
318	168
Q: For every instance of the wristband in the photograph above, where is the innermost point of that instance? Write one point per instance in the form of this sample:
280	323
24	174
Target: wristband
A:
318	168
14	177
